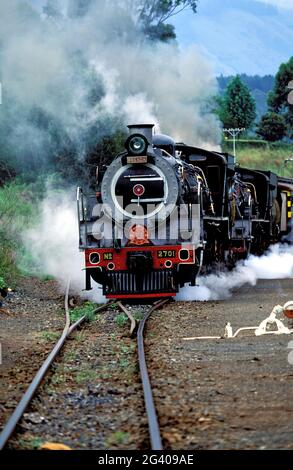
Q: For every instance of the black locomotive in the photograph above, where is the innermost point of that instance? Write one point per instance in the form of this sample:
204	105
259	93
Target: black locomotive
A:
163	212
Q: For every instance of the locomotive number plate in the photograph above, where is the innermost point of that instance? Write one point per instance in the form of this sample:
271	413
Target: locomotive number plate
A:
108	256
132	160
167	254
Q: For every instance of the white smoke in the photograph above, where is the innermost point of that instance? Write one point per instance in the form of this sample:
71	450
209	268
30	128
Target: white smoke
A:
97	72
277	263
53	243
138	109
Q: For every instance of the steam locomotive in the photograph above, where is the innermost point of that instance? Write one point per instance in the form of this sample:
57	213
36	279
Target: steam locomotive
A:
163	212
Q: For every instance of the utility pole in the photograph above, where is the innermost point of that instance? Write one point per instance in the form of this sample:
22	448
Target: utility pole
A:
234	132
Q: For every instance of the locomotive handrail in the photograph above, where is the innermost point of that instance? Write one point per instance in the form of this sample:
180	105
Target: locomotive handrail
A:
79	199
81	212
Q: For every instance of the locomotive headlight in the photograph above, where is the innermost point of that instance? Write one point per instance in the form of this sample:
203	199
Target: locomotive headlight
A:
136	144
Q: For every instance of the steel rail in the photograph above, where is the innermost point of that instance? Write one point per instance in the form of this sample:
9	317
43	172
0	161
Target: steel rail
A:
30	392
154	429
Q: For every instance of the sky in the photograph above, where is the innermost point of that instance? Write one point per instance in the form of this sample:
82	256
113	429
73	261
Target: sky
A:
238	36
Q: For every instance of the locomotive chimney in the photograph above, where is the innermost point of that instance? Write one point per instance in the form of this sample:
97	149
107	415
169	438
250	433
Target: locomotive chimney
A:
144	129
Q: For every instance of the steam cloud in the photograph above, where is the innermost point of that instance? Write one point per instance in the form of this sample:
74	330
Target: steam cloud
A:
79	78
55	244
277	263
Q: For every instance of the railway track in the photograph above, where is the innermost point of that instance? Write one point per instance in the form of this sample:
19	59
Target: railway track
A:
154	430
38	378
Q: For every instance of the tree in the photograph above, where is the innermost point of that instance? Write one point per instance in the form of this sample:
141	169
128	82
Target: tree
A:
237	107
278	99
153	15
272	127
258	86
150	16
161	32
159	11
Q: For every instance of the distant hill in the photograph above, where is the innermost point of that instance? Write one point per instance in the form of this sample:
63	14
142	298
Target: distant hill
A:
259	87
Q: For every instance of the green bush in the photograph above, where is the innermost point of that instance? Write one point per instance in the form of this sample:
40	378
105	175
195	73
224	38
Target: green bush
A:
272	127
20	202
18	208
